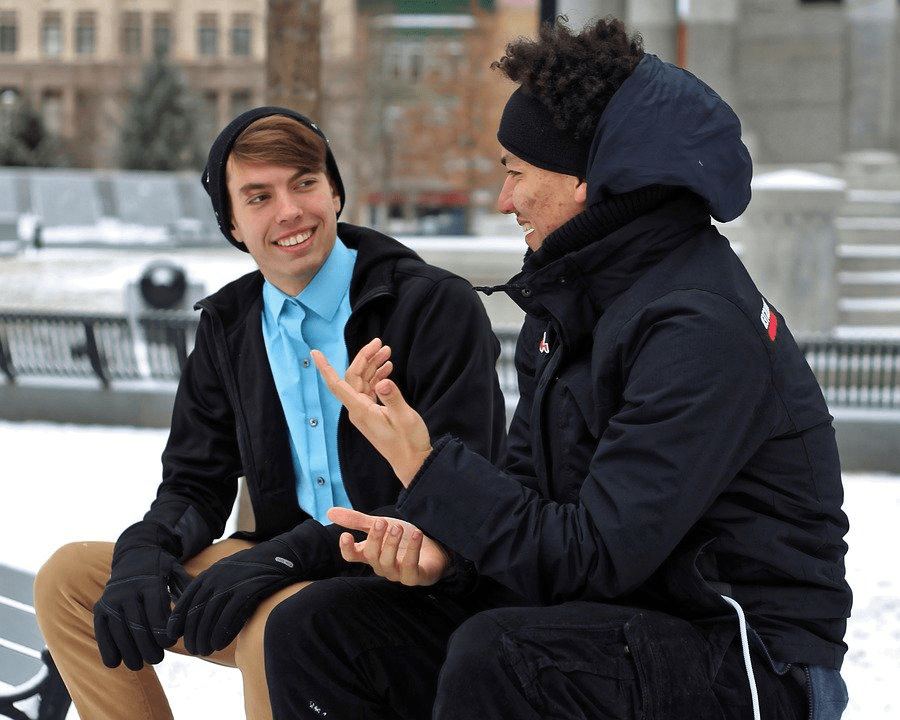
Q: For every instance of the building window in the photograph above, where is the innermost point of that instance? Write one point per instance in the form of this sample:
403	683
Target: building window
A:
240	35
8	29
241	101
208	34
52	111
209	116
85	33
9	101
51	34
414	61
162	33
132	33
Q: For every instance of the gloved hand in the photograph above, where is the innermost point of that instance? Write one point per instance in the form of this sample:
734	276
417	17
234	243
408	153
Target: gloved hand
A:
218	602
130	617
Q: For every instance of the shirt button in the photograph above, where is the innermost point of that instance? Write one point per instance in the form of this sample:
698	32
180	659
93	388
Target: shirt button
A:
320	480
313	422
305	362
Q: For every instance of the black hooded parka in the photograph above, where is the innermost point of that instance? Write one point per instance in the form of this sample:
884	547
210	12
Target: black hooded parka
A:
671	444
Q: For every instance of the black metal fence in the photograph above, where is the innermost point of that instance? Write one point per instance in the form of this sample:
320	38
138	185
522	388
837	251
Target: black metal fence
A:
856	373
113	348
108	348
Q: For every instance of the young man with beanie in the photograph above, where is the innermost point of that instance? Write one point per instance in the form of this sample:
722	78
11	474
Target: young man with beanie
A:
670	508
250	404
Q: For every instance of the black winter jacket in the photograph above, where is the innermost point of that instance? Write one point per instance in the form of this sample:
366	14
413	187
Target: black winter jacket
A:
228	420
671	444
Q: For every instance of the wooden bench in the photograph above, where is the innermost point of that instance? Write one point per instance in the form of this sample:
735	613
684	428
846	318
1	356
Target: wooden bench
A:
30	686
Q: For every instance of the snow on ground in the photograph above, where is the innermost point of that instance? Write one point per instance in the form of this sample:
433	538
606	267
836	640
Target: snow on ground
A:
67	483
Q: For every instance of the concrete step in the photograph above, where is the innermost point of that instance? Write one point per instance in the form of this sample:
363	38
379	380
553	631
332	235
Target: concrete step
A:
855	257
872	203
869	284
867	311
868	229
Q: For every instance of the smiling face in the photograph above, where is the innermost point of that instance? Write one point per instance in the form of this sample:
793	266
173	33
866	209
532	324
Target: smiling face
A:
286	218
542	200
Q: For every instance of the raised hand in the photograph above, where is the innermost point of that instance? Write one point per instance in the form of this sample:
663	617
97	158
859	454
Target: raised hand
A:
396	430
395	549
371	365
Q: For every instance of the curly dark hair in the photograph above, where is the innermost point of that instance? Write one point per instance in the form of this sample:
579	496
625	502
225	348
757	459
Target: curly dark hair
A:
573	75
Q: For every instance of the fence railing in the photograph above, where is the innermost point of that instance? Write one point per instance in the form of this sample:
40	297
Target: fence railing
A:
856	373
851	373
108	348
154	347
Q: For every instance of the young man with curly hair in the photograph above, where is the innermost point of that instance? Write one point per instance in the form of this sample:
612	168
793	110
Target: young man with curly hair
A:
669	512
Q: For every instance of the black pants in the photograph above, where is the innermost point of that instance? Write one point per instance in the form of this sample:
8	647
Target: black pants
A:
599	662
360	648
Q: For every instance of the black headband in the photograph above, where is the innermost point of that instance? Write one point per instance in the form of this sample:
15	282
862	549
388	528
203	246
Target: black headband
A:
214	175
527	130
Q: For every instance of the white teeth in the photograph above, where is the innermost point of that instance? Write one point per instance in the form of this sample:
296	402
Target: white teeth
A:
295	239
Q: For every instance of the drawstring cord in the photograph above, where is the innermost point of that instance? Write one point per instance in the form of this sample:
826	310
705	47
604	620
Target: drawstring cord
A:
745	645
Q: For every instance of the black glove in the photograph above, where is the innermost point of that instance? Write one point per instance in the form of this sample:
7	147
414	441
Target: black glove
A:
130	617
215	606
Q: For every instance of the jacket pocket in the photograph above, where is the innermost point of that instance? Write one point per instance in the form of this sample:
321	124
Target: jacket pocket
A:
676	666
575	671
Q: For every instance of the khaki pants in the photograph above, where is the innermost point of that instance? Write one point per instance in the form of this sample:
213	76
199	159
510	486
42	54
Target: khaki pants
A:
65	590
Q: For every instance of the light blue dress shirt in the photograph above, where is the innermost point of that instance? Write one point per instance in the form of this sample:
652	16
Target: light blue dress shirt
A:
314	319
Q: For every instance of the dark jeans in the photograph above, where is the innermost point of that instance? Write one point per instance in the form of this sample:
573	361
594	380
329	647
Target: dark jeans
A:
358	648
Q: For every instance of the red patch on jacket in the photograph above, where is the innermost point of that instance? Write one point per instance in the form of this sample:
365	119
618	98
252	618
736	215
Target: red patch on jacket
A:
769	320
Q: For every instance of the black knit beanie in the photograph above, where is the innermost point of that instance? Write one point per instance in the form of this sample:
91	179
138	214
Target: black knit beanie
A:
527	130
214	175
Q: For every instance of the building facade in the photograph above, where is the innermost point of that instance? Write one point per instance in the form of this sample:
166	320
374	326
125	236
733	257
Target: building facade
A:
405	91
75	61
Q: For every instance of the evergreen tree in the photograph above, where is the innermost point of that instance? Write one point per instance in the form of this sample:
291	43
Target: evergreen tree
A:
25	141
159	132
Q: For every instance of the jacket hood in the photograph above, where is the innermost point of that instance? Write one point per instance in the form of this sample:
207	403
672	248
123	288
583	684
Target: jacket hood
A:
664	126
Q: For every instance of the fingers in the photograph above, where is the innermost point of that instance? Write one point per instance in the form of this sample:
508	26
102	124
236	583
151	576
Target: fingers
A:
341	389
370	365
179	616
109	647
391	549
126	635
381	547
351	551
352	519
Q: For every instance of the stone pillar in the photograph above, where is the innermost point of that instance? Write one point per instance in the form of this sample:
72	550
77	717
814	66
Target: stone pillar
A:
657	22
870	32
709	42
787	239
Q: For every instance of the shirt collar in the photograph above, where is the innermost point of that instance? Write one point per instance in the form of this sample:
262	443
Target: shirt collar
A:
325	291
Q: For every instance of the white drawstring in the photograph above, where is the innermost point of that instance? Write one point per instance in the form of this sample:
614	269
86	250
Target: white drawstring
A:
745	645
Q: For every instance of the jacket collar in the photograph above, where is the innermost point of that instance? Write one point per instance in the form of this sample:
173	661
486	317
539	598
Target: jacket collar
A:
576	287
373	275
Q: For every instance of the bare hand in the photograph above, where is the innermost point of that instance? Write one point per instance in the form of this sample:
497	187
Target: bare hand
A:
394	549
370	366
393	427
